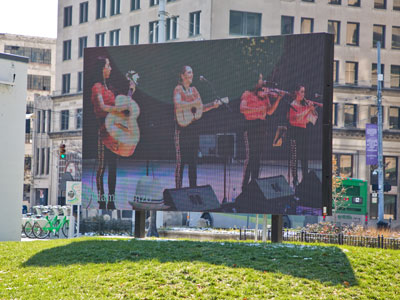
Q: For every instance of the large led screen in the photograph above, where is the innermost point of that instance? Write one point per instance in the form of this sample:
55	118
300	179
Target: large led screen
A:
235	125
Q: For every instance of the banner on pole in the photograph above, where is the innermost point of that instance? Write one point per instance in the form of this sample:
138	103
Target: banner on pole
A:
371	140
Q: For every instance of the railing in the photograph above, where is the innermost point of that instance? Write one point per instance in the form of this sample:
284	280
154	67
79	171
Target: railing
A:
339	239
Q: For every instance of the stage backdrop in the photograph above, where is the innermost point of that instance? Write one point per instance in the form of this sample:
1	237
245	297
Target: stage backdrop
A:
235	125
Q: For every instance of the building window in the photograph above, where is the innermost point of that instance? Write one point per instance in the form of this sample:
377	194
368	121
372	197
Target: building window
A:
36	55
389	207
43	121
64	120
28	163
342	165
101	9
336	71
48	161
380	4
153	32
394	118
37	161
154	2
115	7
396	4
42	160
67	50
244	23
334	28
39	83
287	24
351	73
135	4
79	118
171	30
83	12
38	123
336	2
350	115
378	35
373	114
374	74
396	38
395	76
100	39
307	25
49	120
134	35
334	114
356	3
67	16
389	171
307	0
82	45
66	81
80	82
114	37
353	31
194	25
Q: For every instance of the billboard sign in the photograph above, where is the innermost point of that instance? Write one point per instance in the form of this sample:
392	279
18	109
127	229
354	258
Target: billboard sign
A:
73	193
236	125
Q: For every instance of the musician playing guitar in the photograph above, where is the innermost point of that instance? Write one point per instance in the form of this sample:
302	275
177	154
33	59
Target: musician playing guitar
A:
113	113
188	109
255	105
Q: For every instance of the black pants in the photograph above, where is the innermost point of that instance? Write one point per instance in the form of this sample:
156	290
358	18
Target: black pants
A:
106	159
187	146
254	139
299	143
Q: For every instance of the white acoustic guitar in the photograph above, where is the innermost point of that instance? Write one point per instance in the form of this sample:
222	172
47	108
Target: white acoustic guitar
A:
191	111
122	128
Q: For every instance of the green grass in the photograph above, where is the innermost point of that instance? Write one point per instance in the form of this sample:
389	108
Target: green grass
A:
97	268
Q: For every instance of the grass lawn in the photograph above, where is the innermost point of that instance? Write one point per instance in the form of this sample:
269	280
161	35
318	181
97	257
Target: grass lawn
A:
97	268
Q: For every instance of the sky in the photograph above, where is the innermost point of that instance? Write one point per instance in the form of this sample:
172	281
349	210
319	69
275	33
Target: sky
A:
29	17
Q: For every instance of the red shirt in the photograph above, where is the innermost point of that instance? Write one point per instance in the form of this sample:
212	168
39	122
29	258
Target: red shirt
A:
299	118
108	98
257	108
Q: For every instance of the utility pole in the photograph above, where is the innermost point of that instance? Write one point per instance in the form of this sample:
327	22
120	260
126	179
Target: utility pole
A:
381	222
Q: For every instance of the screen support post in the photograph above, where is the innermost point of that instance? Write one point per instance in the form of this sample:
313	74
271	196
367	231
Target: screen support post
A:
140	223
276	228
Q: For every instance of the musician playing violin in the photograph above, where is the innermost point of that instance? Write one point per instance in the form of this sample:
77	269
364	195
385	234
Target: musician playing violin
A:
256	105
302	112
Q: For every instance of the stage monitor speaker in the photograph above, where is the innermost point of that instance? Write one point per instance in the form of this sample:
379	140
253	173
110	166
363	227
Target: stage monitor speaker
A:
267	195
309	191
225	145
201	198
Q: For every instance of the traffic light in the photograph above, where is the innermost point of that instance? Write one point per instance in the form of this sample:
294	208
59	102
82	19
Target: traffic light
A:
62	151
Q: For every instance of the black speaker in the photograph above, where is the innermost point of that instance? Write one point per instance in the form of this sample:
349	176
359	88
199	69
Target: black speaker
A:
201	198
309	191
225	145
271	195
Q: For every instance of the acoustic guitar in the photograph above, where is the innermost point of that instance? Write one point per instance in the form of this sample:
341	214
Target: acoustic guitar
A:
122	129
189	112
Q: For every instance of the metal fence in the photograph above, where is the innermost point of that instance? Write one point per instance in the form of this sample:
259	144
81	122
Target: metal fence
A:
339	238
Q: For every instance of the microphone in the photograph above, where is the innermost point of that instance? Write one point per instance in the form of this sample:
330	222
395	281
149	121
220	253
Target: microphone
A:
265	82
202	78
317	95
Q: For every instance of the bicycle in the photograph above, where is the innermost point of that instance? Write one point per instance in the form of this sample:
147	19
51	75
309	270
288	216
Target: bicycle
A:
42	232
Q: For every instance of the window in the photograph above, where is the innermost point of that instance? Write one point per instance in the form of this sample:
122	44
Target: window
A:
351	73
336	71
287	24
307	25
79	118
334	114
154	2
39	83
396	38
394	118
336	2
83	12
67	16
28	163
135	4
42	160
67	50
153	32
134	35
37	161
82	45
66	80
353	30
114	37
194	25
374	74
307	0
64	120
389	171
354	3
100	39
342	165
373	114
378	35
115	7
389	207
395	76
334	28
244	23
80	82
38	123
48	161
396	4
380	4
350	115
43	121
101	9
36	55
48	120
171	30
